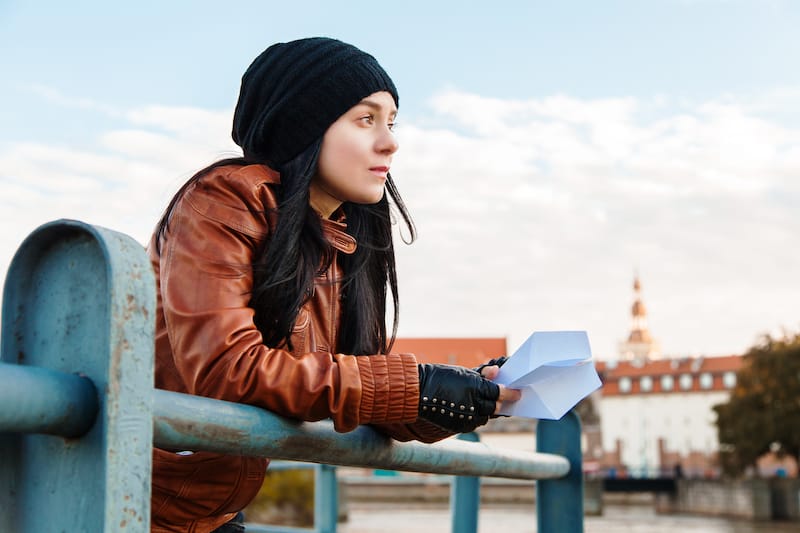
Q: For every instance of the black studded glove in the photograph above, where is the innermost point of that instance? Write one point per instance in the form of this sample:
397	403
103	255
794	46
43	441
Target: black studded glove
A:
498	361
455	398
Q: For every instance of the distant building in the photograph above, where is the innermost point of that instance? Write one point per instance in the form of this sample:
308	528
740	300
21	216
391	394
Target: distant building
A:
657	413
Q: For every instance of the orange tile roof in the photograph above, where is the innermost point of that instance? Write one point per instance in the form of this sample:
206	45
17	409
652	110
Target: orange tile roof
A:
469	352
670	366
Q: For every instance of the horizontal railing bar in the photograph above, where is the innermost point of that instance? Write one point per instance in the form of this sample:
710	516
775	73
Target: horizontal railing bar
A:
186	422
40	400
290	465
57	403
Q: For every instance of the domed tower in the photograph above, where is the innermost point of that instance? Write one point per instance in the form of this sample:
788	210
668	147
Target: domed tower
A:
640	345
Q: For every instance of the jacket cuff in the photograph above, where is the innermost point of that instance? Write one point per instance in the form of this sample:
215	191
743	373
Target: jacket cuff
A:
389	388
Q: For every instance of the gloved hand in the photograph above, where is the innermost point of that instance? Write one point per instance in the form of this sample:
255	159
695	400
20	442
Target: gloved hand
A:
497	361
455	398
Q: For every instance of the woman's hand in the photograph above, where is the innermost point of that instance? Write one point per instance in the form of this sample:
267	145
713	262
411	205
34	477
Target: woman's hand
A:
489	370
459	399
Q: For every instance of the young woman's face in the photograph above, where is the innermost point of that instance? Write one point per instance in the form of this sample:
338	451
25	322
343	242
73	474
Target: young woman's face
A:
356	155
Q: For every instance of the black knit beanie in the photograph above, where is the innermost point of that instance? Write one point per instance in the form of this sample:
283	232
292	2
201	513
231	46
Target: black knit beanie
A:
293	91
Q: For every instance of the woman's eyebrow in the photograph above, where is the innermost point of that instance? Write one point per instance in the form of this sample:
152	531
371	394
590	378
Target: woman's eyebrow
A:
375	105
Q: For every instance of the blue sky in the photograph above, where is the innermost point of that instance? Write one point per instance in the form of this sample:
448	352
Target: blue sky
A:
192	53
549	149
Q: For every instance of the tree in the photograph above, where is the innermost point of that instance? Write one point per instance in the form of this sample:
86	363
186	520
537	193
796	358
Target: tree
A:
763	412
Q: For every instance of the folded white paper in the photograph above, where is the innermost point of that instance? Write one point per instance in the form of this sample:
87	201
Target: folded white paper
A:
554	371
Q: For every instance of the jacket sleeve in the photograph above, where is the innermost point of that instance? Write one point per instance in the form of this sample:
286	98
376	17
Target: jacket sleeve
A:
205	283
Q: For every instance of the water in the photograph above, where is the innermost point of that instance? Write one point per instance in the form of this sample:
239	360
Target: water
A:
374	518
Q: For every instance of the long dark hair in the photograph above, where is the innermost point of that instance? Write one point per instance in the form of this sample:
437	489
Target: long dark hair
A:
288	261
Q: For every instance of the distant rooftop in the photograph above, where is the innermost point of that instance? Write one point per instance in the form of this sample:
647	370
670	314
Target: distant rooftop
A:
469	352
688	374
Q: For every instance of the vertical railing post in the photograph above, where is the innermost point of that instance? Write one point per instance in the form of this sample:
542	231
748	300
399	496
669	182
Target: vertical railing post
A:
559	502
465	498
81	300
326	499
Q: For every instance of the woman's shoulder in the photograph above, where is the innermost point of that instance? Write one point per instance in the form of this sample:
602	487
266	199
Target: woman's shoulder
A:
249	186
233	194
242	178
251	174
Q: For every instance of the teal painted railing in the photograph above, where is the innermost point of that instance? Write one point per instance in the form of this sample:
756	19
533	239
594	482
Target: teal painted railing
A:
79	415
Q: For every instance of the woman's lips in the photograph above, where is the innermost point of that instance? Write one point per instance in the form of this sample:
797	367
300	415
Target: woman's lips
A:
381	171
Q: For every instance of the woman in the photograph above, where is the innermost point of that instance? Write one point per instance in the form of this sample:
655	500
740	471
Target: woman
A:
272	273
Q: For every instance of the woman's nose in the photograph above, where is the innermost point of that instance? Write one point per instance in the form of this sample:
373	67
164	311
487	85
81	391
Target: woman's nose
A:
387	142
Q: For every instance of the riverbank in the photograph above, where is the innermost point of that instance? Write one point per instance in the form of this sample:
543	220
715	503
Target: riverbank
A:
753	499
435	518
436	489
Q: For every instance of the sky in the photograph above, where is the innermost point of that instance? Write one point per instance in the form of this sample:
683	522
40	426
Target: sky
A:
549	151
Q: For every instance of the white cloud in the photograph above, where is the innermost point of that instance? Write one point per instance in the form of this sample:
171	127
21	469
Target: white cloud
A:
121	179
532	214
187	122
562	199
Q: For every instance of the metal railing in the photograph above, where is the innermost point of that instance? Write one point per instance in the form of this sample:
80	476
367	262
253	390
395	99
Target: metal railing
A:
79	414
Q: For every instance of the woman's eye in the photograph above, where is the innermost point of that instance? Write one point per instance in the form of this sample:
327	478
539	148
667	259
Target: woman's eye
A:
368	119
392	126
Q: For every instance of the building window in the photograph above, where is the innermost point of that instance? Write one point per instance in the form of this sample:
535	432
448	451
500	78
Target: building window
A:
646	383
706	380
729	379
667	382
686	381
624	384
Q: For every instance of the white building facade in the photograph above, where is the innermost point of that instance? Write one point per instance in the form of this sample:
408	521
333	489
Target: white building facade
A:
656	412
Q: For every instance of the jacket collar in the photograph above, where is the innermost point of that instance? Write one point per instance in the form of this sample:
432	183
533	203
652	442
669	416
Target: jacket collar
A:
334	229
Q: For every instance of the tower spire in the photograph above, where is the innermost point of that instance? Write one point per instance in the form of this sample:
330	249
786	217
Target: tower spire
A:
640	344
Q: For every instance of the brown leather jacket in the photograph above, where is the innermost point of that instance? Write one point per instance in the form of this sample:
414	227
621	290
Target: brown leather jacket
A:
207	344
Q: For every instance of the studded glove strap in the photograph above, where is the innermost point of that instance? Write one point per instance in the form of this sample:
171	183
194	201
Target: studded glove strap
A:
455	398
